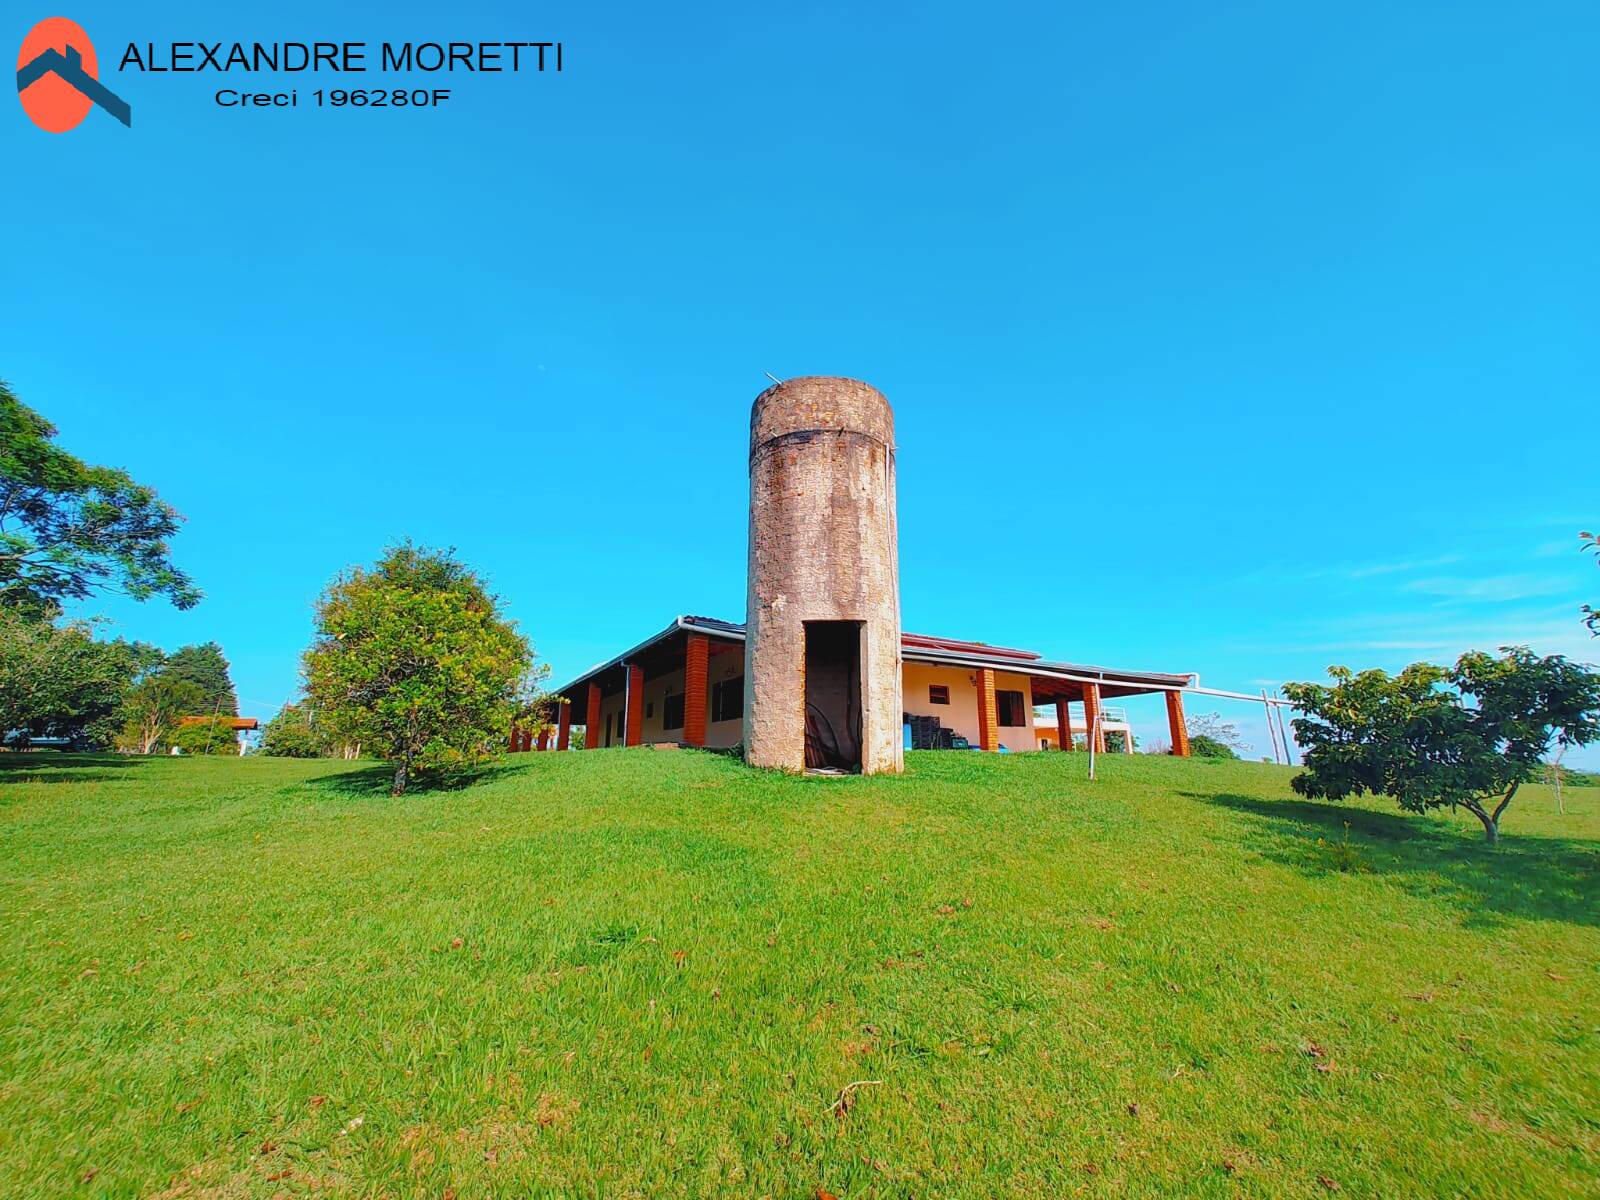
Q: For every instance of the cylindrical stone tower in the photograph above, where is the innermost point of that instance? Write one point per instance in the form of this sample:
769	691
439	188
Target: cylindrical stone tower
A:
822	668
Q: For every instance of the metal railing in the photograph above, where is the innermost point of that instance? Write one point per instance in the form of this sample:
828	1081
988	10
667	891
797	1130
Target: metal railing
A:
1110	714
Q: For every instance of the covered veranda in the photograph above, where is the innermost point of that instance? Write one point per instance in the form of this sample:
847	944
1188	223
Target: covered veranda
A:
684	686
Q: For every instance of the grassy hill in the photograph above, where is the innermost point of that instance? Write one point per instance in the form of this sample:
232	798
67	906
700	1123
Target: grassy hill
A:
642	974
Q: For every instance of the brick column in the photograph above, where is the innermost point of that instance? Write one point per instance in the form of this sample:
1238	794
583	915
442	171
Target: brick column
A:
1180	731
635	718
1063	726
544	740
695	658
591	728
1092	716
988	718
564	729
514	742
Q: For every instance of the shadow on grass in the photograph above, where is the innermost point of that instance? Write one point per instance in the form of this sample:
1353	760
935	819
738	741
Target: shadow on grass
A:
50	766
1529	878
378	778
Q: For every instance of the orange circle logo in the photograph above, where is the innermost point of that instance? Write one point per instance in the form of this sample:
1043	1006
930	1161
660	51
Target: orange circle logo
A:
56	53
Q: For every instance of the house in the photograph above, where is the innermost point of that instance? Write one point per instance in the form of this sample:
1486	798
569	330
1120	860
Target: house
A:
686	686
823	678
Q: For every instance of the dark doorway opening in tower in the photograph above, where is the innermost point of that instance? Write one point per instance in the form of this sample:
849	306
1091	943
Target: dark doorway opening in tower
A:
833	695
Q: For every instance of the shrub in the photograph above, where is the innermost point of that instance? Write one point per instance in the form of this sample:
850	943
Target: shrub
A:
1206	746
292	734
209	735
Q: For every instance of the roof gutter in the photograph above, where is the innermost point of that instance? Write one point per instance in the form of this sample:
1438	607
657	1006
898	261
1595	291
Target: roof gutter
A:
1096	675
601	668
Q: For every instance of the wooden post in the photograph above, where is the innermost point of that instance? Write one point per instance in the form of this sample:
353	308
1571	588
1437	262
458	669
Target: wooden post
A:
1092	717
696	656
591	729
1180	731
633	726
564	728
1063	726
988	718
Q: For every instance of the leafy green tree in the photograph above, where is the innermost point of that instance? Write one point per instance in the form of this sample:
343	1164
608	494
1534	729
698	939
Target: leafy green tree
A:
1212	737
413	661
208	735
58	681
1413	736
69	529
1203	745
153	709
293	734
205	666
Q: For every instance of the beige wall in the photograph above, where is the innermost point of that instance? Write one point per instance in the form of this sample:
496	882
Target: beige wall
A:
961	714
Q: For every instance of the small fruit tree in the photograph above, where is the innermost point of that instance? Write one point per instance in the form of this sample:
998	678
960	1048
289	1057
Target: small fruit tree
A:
1432	738
413	660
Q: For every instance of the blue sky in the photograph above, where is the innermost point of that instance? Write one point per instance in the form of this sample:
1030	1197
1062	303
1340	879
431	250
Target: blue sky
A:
1235	338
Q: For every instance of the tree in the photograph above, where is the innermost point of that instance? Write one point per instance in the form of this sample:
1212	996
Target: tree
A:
69	529
208	735
413	661
153	709
205	667
58	681
1413	736
293	734
1203	745
1212	737
1591	613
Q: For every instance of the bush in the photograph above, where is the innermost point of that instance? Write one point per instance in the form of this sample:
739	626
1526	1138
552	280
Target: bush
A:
291	734
1206	746
210	735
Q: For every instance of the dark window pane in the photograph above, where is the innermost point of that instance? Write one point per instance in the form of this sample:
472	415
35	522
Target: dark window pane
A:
938	693
1009	706
727	699
672	712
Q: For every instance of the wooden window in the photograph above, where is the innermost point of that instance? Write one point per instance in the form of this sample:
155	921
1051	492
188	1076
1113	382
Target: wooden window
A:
938	693
672	712
727	699
1009	707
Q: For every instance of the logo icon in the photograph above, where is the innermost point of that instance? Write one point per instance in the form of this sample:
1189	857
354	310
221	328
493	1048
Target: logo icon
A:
57	78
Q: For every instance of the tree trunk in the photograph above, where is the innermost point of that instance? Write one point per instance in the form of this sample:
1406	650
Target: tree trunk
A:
1491	821
402	773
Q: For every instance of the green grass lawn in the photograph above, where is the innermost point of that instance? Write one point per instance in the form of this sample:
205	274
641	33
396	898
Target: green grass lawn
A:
642	974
